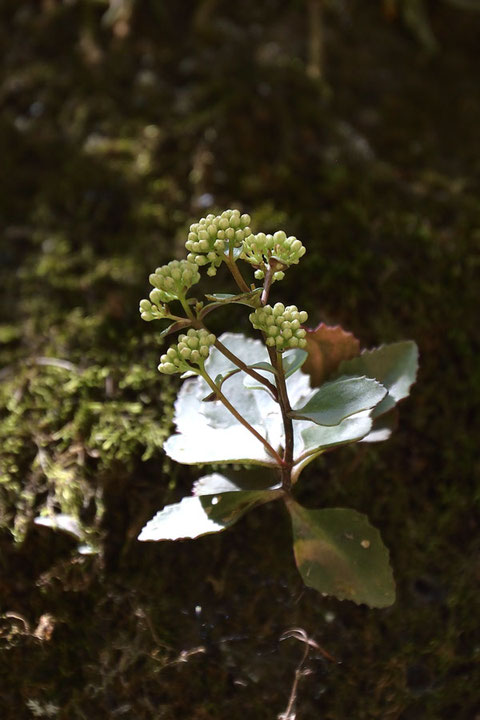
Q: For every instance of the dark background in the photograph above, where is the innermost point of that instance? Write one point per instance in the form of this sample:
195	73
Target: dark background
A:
122	123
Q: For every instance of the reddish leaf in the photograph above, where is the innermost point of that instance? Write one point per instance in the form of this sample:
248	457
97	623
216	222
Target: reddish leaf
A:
327	347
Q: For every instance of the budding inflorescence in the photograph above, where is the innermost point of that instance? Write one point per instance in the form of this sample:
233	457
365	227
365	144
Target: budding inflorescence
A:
276	251
153	311
170	282
281	325
213	236
173	280
192	349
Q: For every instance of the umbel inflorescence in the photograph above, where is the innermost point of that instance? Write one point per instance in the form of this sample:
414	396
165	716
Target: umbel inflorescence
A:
213	236
281	326
213	240
191	349
170	282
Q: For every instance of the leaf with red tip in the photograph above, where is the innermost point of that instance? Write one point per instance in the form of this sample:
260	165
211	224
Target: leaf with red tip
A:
327	347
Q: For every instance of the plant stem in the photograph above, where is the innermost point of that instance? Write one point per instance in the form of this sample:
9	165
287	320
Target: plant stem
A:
240	364
186	307
267	285
300	463
276	360
240	419
237	276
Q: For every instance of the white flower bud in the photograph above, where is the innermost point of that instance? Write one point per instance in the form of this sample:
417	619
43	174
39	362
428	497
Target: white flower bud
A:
281	325
276	251
208	240
191	350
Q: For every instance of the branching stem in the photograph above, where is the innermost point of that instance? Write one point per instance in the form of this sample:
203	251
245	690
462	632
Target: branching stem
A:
267	284
276	360
240	364
237	275
241	419
186	307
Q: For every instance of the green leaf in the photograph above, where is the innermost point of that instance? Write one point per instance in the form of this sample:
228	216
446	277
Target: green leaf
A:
382	427
339	399
312	440
216	445
395	366
339	553
65	523
251	383
236	481
219	380
174	327
321	437
208	432
222	297
264	366
293	361
204	514
228	507
249	299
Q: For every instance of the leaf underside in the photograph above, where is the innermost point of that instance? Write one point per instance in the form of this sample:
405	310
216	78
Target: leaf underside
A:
203	514
325	437
235	481
293	360
339	553
208	433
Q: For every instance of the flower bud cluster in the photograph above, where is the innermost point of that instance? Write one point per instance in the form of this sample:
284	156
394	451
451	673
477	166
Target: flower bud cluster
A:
210	238
276	250
173	280
191	349
281	325
153	311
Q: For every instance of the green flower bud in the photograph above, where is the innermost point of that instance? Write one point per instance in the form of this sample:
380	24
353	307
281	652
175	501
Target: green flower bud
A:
275	251
281	325
173	280
153	311
191	350
210	239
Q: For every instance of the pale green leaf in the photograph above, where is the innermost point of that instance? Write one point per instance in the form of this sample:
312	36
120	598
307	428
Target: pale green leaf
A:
236	481
219	380
395	366
293	360
321	437
382	427
216	445
208	432
65	523
204	514
249	299
175	327
339	399
251	383
339	553
312	440
264	366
